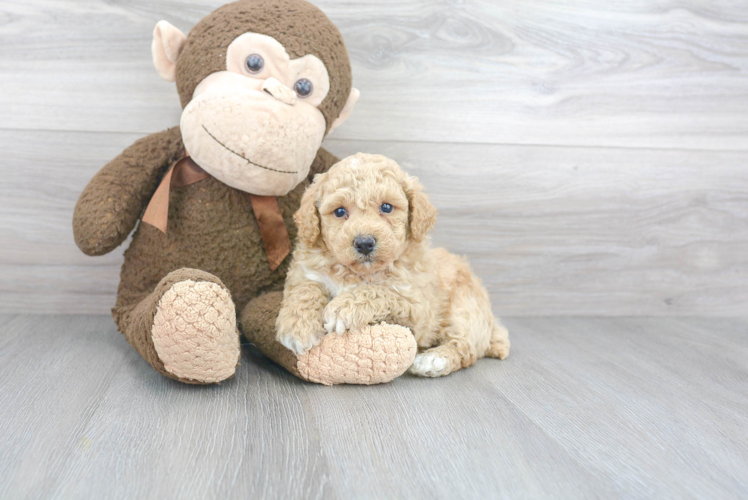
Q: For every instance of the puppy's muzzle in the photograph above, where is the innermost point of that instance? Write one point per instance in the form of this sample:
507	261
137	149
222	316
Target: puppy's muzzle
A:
364	244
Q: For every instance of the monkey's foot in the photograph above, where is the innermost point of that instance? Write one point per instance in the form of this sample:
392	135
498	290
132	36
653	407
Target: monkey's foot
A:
194	332
374	355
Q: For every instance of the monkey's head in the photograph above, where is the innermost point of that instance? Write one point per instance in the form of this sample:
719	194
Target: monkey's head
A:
261	83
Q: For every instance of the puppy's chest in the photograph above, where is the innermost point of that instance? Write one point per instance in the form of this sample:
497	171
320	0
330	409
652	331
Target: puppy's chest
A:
335	286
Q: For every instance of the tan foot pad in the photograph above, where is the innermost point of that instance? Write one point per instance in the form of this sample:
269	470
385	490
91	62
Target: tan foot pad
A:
195	333
375	355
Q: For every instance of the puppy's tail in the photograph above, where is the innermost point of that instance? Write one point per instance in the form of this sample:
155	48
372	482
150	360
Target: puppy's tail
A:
499	345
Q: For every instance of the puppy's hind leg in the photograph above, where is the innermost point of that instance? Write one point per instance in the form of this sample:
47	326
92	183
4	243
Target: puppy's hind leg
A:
469	331
499	346
443	359
462	339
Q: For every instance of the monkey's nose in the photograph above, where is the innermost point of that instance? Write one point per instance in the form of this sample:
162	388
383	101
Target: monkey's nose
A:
364	244
276	89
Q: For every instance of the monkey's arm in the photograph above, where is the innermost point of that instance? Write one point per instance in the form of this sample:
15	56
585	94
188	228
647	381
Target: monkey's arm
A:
322	163
111	204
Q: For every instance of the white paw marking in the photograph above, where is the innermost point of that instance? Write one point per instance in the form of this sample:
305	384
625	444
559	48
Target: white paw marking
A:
297	346
429	365
334	322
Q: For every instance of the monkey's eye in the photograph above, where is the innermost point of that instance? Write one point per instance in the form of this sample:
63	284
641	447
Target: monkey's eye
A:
303	87
340	212
255	63
386	208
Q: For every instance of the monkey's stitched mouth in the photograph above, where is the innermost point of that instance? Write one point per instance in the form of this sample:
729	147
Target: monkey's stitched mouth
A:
245	159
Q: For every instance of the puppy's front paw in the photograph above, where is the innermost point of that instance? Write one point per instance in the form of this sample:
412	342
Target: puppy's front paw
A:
341	315
337	318
429	364
300	337
297	345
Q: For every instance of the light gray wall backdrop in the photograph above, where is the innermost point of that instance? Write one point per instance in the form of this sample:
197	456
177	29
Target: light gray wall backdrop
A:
589	157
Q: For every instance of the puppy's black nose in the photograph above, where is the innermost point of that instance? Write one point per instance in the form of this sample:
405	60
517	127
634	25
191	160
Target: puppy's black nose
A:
364	244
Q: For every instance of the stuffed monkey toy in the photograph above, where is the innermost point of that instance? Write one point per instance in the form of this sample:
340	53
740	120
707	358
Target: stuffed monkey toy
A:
261	83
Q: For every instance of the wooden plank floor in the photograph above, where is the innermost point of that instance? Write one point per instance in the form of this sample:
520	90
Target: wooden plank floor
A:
583	408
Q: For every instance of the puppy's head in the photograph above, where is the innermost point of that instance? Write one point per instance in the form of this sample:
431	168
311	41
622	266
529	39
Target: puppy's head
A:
365	211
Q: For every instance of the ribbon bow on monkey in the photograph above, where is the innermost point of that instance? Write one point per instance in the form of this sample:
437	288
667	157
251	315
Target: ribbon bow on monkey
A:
269	218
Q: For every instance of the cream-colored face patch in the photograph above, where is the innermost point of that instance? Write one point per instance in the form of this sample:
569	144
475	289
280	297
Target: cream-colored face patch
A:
277	64
256	126
250	140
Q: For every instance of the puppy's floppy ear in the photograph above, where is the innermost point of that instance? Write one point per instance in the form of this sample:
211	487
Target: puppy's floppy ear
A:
421	213
307	216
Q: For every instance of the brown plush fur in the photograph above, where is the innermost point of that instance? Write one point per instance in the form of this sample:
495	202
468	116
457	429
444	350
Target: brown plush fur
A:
212	236
331	287
299	26
114	200
259	317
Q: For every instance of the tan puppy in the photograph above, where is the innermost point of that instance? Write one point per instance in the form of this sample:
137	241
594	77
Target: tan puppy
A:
363	257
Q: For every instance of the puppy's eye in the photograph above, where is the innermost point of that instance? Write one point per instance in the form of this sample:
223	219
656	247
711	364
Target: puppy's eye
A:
386	208
255	63
340	212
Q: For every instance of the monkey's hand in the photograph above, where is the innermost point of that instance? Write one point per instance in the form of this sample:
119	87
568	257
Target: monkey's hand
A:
299	324
111	204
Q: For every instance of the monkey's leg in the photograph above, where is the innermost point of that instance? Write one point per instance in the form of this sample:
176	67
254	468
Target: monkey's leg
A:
186	328
374	355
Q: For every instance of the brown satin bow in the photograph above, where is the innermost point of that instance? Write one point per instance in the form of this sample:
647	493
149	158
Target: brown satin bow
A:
273	229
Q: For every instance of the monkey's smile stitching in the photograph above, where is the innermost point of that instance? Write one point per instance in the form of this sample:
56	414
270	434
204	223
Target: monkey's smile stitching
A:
243	158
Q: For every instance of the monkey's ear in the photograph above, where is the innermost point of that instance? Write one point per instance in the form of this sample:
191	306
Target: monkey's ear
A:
346	111
422	214
307	217
168	43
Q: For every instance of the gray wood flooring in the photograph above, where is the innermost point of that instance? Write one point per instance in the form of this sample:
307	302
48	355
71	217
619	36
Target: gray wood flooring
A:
583	408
